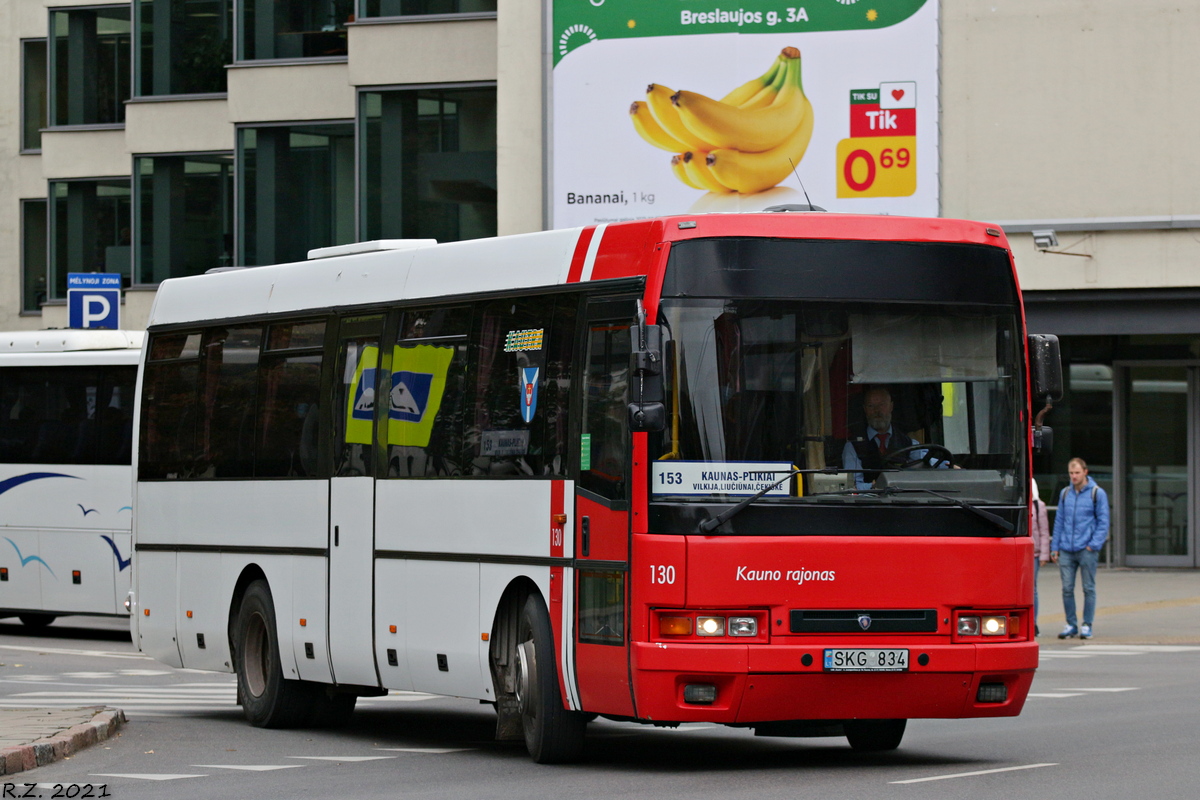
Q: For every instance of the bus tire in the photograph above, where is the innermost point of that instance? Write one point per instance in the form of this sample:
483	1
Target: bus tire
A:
268	700
553	735
875	735
36	621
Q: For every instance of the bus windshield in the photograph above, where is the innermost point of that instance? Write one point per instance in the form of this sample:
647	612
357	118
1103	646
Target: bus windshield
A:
760	387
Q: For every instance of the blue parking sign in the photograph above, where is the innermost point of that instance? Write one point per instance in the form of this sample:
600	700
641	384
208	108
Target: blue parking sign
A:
94	300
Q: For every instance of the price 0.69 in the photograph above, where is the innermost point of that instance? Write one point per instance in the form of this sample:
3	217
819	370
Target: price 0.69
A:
877	166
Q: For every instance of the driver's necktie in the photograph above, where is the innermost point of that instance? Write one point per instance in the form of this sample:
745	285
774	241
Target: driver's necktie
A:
882	437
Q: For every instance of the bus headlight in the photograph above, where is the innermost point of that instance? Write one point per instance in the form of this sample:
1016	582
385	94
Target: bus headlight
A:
743	626
968	626
995	626
710	626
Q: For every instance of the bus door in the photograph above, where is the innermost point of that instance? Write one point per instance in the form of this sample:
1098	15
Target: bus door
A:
602	512
352	502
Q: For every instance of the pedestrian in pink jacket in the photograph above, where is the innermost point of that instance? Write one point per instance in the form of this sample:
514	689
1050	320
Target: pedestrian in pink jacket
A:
1039	531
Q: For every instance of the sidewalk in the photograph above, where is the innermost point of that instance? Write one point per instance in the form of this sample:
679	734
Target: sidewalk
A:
34	737
1133	606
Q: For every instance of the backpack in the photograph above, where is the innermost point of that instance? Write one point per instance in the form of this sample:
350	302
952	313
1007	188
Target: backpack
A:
1062	498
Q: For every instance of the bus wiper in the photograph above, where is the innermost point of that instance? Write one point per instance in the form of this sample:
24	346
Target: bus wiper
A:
710	525
998	521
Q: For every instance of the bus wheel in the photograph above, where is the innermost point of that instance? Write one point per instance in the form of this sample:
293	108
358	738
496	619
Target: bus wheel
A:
553	734
36	621
268	701
875	735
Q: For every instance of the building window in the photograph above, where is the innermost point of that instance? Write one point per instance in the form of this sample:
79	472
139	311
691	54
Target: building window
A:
89	230
33	93
33	255
182	46
89	65
296	29
428	163
409	8
184	209
295	190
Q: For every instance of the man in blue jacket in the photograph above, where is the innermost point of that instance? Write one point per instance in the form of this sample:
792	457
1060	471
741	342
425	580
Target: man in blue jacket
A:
1080	528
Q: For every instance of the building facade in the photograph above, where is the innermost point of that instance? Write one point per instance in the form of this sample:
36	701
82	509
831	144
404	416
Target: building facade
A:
159	138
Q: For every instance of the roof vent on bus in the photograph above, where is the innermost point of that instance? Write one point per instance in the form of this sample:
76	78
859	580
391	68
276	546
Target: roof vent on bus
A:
216	270
793	207
357	248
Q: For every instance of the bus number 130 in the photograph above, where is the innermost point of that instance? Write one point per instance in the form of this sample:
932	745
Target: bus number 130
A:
660	573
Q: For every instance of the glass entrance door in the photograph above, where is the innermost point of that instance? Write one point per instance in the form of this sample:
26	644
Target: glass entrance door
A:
1159	449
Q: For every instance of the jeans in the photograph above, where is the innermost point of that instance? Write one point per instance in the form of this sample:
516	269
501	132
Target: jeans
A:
1068	563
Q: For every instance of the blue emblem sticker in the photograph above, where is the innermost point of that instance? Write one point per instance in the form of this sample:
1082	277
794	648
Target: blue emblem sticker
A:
528	378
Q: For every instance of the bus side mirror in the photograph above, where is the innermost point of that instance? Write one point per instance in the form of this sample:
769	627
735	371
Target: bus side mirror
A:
1045	368
646	412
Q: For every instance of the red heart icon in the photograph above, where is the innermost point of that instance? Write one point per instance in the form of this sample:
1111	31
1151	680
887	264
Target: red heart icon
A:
897	93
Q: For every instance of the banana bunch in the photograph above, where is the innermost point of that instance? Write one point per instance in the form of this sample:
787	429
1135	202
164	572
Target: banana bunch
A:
746	142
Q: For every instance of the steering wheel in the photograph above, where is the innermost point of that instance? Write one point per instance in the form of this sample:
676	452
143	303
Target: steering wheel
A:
944	456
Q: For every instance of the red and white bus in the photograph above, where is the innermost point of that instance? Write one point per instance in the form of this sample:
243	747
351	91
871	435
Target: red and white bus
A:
613	476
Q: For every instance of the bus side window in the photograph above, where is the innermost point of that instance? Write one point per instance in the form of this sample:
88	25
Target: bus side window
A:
356	391
605	441
170	391
507	430
226	432
427	394
288	408
113	435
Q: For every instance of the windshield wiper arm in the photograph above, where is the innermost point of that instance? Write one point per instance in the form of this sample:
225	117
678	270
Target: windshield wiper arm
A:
998	521
710	525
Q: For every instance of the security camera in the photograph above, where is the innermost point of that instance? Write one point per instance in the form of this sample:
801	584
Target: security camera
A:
1045	239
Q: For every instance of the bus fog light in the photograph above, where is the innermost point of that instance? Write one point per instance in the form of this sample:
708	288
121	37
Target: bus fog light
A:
991	693
995	626
710	626
968	626
702	694
675	626
743	626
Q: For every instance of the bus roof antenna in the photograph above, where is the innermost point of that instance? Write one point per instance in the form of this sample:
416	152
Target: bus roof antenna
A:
796	172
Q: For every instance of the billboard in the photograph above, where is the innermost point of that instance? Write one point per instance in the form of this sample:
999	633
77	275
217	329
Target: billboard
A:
676	107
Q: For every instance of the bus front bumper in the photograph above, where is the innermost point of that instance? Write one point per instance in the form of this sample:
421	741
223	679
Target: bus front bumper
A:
770	682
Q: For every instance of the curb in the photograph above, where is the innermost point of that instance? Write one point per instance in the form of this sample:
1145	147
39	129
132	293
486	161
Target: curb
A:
105	723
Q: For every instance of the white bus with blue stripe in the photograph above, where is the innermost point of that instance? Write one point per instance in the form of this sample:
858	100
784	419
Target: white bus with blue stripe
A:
66	432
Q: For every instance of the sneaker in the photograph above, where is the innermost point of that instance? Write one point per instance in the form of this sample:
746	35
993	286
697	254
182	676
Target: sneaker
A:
1036	630
1085	631
1069	632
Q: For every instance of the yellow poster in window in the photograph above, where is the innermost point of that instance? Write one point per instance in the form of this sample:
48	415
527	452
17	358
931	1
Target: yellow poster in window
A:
360	405
418	383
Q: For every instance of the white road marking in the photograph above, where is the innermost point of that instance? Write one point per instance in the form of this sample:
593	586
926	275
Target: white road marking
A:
972	774
343	758
430	750
65	652
144	776
1105	689
250	767
1054	694
1129	649
88	674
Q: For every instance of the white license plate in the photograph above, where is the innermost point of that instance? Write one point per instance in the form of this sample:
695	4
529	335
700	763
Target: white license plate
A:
865	660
